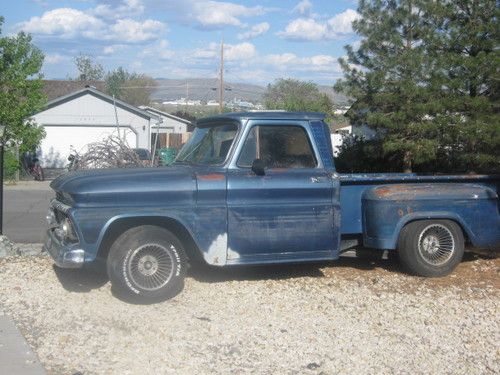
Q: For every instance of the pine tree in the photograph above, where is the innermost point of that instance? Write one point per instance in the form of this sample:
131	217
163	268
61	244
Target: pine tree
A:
386	77
426	77
465	46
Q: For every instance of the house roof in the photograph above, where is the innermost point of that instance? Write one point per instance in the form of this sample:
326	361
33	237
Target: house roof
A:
165	114
99	94
54	89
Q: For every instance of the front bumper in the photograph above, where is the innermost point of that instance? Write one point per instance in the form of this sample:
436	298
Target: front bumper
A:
65	256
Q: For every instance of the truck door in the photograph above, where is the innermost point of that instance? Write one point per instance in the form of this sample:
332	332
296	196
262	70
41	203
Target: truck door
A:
287	213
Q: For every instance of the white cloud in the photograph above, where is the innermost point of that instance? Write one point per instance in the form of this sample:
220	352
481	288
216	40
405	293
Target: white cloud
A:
109	50
64	22
282	60
159	50
342	23
232	52
310	29
255	31
72	23
126	9
303	7
135	31
242	51
205	53
209	14
304	29
292	62
53	58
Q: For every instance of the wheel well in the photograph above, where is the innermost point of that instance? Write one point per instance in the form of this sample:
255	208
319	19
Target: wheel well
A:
464	232
121	225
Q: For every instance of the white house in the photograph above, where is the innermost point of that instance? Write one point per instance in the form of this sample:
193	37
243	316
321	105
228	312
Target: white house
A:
169	123
362	131
85	116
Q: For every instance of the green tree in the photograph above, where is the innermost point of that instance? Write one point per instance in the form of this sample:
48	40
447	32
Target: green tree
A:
294	95
426	77
465	79
88	70
21	89
386	76
132	88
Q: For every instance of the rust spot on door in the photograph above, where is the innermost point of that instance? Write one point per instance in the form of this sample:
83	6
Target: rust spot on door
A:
211	177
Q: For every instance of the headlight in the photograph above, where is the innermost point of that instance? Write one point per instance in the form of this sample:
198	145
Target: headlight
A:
68	230
51	218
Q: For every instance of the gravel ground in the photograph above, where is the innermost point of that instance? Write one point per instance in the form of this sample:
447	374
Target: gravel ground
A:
354	316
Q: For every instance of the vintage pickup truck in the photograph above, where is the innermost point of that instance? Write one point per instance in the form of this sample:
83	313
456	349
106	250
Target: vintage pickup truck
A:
259	188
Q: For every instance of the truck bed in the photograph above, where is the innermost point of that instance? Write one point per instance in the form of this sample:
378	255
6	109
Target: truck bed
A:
354	185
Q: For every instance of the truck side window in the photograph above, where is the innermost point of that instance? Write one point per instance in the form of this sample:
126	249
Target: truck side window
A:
278	147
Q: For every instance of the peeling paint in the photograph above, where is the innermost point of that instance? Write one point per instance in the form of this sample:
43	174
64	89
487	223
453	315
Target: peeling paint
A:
217	252
231	254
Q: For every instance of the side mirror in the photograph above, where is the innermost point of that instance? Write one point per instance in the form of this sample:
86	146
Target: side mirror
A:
258	167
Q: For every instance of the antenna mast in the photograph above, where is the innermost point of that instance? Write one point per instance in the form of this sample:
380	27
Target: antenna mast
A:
221	88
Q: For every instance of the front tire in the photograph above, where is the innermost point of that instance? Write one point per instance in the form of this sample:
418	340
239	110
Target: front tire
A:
431	248
147	264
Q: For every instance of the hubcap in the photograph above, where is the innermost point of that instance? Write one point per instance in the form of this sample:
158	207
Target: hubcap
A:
436	244
151	266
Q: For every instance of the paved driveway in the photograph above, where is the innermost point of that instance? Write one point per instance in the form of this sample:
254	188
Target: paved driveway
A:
25	206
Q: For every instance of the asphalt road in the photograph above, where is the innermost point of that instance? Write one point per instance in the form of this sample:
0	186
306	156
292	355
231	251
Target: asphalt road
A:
25	207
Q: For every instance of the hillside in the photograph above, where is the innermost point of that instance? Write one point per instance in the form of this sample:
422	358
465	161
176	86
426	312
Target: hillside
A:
208	89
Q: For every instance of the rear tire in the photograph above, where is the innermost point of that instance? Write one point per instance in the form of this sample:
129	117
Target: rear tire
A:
147	264
431	248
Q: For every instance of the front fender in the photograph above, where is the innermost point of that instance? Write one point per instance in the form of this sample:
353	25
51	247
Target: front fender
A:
93	226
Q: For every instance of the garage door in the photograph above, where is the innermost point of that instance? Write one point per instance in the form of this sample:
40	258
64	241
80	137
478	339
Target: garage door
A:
59	141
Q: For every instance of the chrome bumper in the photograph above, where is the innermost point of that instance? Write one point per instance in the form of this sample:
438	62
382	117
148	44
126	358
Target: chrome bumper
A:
64	256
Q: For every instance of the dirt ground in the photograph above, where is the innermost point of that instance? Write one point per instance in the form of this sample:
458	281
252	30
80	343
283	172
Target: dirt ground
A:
350	316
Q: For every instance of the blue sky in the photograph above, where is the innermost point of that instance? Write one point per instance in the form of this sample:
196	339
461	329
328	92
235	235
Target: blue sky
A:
264	39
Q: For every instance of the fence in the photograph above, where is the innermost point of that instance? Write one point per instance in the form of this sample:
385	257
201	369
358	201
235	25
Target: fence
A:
171	140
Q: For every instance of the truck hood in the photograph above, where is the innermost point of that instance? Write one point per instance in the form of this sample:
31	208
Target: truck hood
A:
127	187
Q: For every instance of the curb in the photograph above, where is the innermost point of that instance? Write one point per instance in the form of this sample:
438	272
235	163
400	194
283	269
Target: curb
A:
16	357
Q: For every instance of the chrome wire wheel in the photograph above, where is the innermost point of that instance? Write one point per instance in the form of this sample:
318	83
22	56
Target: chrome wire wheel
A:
436	244
151	266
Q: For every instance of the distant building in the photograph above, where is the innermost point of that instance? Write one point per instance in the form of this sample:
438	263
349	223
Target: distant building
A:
88	115
169	123
337	135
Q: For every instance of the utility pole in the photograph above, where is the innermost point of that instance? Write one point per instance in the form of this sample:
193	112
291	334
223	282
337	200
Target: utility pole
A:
116	121
221	88
187	97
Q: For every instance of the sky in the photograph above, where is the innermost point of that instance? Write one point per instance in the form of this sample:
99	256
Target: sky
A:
263	39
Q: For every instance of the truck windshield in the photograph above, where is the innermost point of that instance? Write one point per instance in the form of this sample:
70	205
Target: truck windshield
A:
208	145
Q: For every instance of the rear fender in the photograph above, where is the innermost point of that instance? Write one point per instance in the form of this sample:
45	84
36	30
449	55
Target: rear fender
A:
388	208
429	216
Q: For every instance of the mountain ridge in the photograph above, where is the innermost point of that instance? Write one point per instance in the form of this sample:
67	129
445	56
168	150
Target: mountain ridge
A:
206	89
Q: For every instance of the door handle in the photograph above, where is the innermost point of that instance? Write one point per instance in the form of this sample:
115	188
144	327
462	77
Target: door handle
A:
317	179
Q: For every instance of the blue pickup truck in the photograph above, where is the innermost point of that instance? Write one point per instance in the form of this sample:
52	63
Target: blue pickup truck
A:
260	188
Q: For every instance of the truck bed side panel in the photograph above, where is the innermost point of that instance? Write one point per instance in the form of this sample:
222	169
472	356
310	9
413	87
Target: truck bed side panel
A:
387	208
354	185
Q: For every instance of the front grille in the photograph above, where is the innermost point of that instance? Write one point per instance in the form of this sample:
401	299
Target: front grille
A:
59	196
59	216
